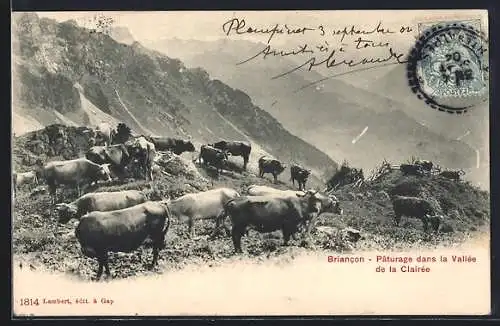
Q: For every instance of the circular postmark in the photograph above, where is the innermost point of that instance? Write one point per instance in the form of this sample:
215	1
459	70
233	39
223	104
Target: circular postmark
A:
448	67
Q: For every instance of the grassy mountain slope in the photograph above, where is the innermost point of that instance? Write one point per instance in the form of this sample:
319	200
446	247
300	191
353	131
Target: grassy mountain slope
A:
62	72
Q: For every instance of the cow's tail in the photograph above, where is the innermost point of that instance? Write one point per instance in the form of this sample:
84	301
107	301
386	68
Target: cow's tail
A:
260	159
227	209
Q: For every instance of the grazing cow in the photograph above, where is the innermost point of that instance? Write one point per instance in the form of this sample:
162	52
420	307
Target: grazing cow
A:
202	205
411	169
116	155
235	148
267	165
176	146
73	172
415	207
329	204
425	165
270	213
22	178
105	132
300	174
99	201
452	175
213	156
144	153
123	230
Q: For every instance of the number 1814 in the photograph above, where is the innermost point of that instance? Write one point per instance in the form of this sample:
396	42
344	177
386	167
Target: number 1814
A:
29	302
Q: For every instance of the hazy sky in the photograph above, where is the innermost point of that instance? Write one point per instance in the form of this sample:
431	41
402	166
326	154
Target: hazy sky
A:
208	25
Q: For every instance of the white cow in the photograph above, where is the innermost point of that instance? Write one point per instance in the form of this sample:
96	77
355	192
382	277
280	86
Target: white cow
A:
202	205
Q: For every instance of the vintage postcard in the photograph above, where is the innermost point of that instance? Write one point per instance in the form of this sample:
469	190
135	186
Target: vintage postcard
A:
250	163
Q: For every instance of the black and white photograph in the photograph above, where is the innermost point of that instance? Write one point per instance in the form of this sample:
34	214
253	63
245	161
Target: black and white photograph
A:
244	163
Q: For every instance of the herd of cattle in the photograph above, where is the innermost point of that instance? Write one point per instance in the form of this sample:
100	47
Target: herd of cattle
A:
424	167
122	221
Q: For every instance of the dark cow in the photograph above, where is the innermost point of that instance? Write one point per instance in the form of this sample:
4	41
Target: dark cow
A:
300	174
55	132
213	156
116	155
452	175
176	146
235	148
123	230
415	207
329	204
425	165
144	153
270	213
268	165
202	205
73	172
99	201
411	169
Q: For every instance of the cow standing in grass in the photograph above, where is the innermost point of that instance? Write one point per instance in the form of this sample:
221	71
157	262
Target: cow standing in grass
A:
116	155
273	166
417	208
300	175
266	214
75	172
235	148
123	230
99	201
329	204
213	156
452	175
202	205
143	152
176	146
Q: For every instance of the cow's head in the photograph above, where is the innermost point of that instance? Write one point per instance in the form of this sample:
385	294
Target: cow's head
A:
280	167
220	144
314	204
436	221
66	212
331	205
189	146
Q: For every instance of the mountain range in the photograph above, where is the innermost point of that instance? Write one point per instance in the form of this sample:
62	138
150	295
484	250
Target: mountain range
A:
64	73
333	113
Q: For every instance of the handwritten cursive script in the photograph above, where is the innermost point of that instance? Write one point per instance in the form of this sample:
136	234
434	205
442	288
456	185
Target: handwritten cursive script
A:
353	30
350	47
331	61
238	26
270	51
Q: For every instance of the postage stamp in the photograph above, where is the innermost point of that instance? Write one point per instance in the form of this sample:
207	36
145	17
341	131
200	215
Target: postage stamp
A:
448	67
215	163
